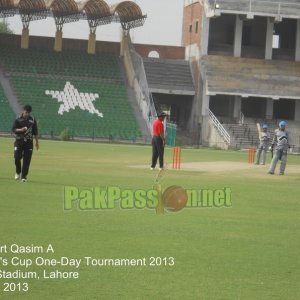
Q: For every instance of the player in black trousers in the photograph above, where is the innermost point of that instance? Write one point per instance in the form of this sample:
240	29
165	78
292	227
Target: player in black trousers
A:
25	128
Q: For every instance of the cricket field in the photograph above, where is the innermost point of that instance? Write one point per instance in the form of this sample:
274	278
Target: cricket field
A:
248	249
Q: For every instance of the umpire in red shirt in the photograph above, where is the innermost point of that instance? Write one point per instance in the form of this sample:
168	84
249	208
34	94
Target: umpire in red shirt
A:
158	141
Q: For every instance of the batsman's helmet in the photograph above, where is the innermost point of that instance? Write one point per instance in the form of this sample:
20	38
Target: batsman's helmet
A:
265	126
282	123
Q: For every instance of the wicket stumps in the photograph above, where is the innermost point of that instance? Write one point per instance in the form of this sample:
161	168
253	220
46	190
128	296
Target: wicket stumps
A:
251	154
176	157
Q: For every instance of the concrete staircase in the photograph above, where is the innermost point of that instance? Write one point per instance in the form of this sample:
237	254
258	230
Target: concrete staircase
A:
137	112
242	135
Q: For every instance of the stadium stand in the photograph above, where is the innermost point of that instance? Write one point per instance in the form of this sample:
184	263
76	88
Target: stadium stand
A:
7	116
245	135
169	75
248	77
245	77
267	7
89	87
242	136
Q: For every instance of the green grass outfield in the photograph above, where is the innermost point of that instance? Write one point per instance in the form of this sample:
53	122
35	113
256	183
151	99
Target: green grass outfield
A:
248	251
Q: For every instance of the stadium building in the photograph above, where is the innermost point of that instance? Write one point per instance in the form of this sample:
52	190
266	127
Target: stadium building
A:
238	65
247	55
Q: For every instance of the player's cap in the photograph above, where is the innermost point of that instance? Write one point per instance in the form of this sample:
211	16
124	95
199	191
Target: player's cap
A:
162	114
265	126
282	123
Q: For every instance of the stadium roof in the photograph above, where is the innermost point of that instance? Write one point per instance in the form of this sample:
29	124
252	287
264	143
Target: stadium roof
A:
65	7
249	77
7	3
32	5
95	8
7	8
127	12
272	8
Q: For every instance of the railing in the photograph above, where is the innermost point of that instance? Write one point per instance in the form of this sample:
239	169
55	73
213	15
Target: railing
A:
222	131
253	6
145	102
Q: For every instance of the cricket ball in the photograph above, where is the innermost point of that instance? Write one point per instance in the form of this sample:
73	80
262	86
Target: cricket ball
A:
174	198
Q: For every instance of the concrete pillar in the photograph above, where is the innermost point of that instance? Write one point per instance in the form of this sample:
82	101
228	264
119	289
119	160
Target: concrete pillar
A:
182	119
92	43
58	41
205	103
297	110
25	38
204	34
269	109
297	50
237	107
124	43
237	44
269	38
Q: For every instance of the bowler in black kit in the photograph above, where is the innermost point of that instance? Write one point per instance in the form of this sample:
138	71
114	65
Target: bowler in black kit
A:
25	128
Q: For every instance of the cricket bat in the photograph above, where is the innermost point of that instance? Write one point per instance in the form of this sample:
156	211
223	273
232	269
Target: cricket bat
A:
160	206
258	130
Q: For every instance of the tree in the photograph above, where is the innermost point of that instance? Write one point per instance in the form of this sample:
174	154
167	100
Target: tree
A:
4	28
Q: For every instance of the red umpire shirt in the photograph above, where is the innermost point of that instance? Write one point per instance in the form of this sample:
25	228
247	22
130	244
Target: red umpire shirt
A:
158	128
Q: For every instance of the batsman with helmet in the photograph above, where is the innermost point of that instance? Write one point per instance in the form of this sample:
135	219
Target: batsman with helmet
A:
264	138
280	144
25	128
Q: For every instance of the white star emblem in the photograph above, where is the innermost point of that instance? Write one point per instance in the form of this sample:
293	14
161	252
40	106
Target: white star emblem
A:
71	98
